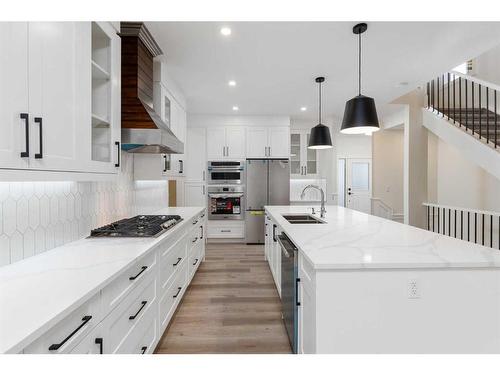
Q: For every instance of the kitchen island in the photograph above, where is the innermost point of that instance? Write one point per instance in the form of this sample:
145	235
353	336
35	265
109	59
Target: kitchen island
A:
371	285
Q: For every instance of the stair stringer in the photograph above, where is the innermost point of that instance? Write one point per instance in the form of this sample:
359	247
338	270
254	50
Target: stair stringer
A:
471	148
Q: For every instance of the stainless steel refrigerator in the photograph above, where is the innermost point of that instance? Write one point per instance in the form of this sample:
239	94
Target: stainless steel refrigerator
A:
268	183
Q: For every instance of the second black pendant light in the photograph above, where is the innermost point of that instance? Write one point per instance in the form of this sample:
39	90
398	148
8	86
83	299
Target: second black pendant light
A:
360	114
320	134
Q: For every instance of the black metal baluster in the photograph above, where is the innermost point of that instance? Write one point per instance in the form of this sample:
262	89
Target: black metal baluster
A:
433	96
444	220
448	113
475	227
460	98
455	222
427	207
499	233
438	219
496	129
473	114
482	230
468	226
437	84
487	115
461	225
480	115
428	97
491	231
449	222
433	219
442	84
454	94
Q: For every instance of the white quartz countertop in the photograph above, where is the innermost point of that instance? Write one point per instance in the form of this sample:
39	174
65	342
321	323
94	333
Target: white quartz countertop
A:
355	240
36	293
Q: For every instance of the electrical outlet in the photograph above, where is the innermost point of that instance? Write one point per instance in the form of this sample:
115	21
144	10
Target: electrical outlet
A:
413	289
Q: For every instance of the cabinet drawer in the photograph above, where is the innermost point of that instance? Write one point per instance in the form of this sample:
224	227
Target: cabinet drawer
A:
130	312
195	257
225	232
68	333
172	296
172	259
94	343
143	337
128	280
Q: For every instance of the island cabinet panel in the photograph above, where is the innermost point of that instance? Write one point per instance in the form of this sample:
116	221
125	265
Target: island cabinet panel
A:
273	251
131	313
307	317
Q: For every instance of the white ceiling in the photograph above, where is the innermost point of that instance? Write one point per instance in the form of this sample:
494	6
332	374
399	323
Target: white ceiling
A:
275	63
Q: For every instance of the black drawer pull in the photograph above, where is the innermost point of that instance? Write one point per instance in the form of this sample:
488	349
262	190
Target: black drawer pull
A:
25	117
99	342
201	236
195	222
297	281
85	320
132	317
117	164
195	261
178	291
202	216
38	120
143	268
274	233
194	240
178	261
144	348
181	166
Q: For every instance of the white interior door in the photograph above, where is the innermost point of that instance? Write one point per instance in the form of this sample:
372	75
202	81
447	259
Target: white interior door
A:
359	184
13	93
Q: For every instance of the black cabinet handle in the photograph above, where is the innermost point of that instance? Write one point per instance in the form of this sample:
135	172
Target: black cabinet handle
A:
181	166
201	235
38	120
143	268
99	342
195	261
85	320
202	216
144	348
178	291
117	164
164	163
195	222
194	239
297	281
274	233
178	261
132	317
25	117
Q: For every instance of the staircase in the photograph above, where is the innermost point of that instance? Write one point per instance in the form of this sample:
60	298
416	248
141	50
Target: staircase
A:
464	111
467	102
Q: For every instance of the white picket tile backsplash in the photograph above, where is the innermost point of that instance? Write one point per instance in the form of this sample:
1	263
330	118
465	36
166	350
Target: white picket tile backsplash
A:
38	216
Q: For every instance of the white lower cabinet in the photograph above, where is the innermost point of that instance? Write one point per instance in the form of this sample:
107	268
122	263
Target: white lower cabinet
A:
129	315
273	251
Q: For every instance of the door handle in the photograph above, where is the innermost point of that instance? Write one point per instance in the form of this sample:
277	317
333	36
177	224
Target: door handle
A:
203	189
201	236
227	150
25	117
164	163
297	281
38	120
132	317
99	341
274	233
117	164
85	320
203	175
181	166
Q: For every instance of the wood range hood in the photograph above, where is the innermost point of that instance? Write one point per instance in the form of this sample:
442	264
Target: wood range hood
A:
143	130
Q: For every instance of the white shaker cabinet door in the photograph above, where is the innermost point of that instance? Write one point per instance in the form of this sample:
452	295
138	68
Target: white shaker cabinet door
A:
59	94
279	142
257	142
195	194
13	94
235	143
195	151
216	143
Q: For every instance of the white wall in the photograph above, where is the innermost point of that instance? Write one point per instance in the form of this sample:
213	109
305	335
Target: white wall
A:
455	181
485	66
38	216
387	167
197	120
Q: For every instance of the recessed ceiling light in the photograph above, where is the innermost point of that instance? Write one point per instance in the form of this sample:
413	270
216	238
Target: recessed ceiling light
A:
303	109
235	108
232	83
225	31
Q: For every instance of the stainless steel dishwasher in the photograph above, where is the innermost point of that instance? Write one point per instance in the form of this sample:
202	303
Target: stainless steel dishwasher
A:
289	288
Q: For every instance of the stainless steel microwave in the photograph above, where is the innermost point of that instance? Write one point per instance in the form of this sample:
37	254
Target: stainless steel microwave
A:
226	173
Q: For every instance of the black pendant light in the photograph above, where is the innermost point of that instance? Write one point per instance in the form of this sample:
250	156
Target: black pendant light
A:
320	134
360	114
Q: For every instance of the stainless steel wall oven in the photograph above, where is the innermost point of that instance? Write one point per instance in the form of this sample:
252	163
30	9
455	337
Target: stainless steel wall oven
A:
226	173
226	202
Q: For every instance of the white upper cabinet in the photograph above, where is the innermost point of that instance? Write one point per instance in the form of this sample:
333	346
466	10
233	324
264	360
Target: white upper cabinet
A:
235	143
216	143
303	161
271	142
195	148
46	90
14	116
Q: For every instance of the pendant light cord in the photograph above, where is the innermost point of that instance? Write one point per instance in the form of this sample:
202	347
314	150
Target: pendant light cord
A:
359	65
319	102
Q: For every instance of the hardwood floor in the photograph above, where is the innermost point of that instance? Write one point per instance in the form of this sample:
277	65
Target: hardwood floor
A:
231	306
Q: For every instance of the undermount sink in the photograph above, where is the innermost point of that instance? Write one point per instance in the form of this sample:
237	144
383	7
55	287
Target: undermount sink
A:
302	219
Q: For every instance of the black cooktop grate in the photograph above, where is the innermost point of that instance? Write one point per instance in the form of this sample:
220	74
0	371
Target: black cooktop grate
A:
137	226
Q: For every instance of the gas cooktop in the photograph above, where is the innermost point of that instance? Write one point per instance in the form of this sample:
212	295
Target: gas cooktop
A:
138	226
